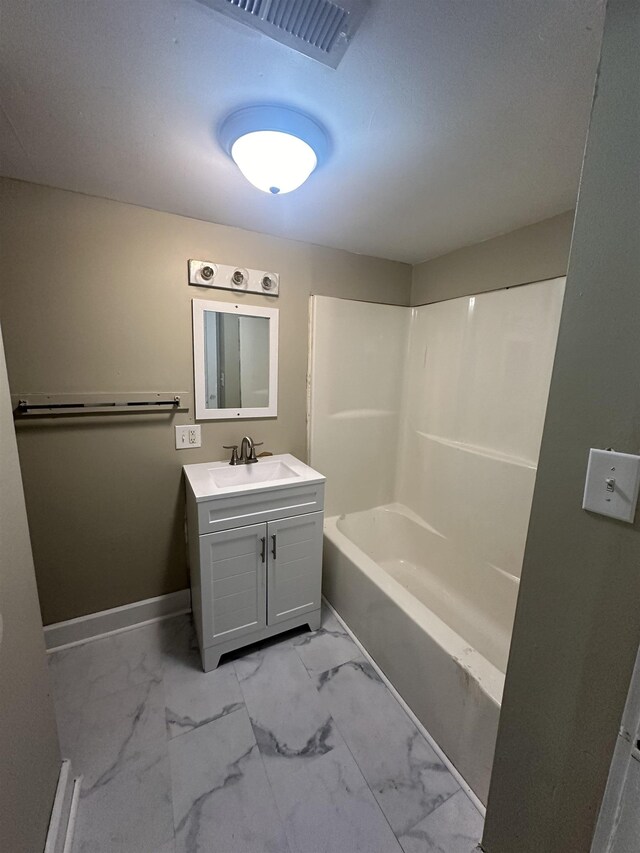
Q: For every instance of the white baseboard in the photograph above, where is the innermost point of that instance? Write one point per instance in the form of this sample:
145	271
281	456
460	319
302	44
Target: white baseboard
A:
63	806
73	813
73	632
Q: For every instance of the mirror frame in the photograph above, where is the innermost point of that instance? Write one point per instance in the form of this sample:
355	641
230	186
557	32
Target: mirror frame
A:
199	306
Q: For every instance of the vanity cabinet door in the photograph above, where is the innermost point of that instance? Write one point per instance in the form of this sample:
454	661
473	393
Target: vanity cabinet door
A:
233	566
295	566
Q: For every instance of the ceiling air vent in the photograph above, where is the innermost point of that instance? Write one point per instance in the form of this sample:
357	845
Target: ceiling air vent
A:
321	29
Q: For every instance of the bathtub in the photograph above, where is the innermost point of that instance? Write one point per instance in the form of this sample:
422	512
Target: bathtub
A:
436	619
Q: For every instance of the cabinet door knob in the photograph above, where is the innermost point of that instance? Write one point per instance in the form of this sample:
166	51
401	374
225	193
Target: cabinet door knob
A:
273	546
263	549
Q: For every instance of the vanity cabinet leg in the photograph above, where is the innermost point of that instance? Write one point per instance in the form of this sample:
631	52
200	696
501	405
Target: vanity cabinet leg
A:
210	659
315	620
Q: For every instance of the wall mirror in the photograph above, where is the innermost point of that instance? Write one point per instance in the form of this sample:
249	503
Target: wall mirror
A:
235	360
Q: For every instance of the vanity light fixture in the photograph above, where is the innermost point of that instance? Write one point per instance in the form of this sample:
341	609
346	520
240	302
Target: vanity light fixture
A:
275	148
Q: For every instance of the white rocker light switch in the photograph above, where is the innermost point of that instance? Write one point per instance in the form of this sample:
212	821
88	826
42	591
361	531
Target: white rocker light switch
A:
613	480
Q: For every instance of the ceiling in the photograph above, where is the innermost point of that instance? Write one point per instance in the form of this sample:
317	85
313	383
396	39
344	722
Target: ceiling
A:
451	121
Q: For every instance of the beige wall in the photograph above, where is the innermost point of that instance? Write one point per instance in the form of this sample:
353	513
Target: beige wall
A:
577	624
534	253
29	751
95	299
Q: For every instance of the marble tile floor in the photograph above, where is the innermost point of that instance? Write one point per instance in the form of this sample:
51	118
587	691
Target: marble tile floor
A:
291	746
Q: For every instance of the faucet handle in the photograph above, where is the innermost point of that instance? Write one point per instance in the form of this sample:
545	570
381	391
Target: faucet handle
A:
252	455
234	454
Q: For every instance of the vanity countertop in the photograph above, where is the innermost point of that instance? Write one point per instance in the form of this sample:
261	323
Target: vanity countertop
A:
210	480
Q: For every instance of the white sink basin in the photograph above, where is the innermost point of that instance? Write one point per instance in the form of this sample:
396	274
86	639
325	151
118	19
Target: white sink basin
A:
256	472
219	479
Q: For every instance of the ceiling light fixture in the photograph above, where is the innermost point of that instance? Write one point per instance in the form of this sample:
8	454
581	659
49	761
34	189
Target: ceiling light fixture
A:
275	148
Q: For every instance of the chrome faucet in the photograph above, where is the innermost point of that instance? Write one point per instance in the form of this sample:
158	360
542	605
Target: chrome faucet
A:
247	451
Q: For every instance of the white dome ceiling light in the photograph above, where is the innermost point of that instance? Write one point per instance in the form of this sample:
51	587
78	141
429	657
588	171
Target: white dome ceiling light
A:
275	148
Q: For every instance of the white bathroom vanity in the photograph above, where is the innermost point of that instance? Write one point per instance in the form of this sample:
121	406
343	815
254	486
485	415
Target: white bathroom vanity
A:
255	550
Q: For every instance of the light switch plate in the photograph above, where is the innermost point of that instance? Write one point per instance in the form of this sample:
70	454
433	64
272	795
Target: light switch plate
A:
612	484
188	436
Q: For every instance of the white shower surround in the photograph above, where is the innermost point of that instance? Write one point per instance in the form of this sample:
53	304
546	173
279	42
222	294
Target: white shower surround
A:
427	423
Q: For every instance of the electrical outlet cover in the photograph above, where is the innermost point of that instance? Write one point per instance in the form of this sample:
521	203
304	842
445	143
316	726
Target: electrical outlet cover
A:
188	437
